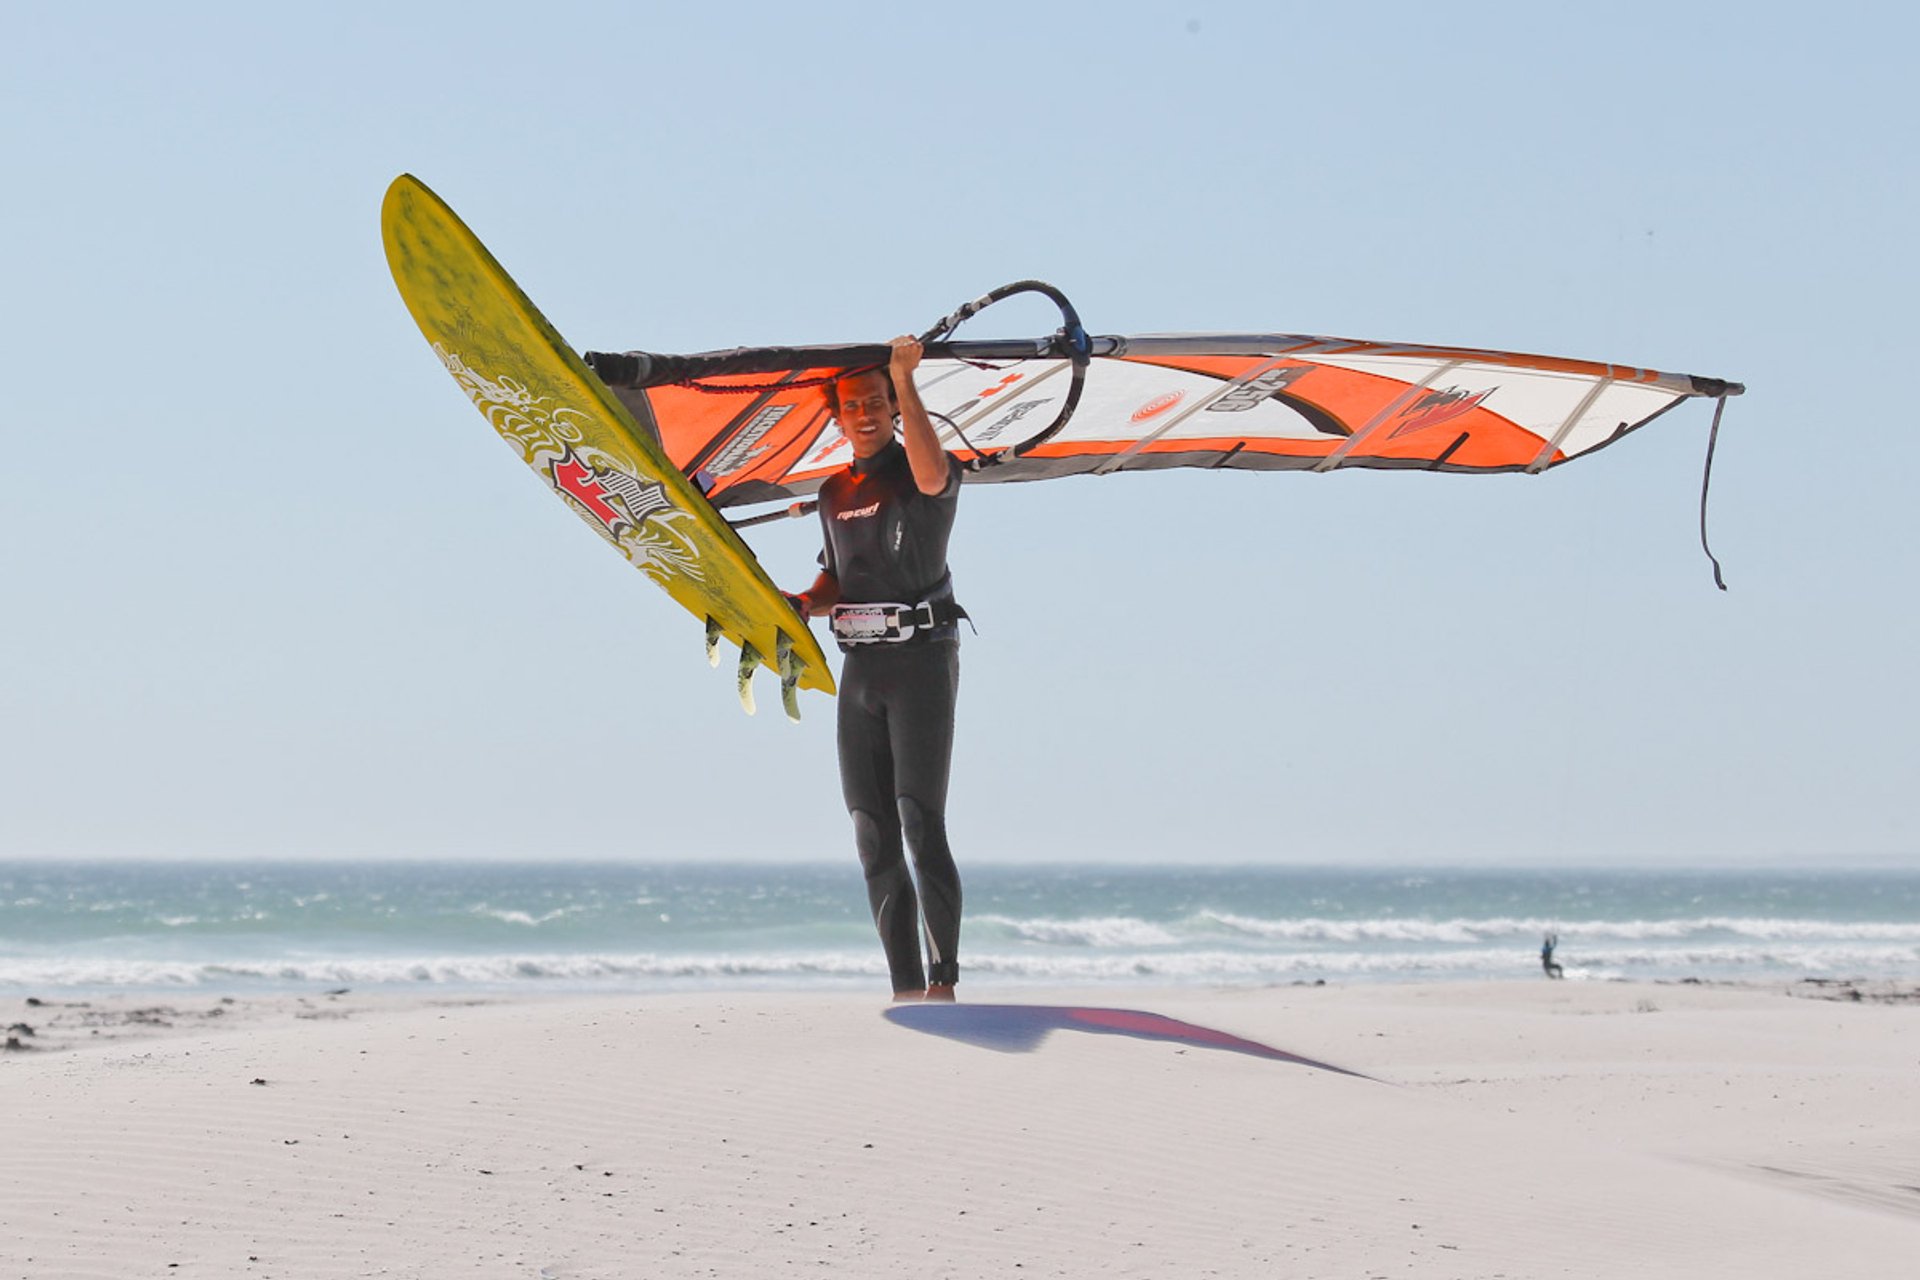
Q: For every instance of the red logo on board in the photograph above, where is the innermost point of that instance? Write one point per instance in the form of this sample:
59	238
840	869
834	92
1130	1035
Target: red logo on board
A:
607	495
575	479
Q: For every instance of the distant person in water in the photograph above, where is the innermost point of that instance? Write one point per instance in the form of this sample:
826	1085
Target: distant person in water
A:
1547	961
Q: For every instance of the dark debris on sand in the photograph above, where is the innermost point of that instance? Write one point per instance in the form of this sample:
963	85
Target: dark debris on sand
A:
1856	990
69	1024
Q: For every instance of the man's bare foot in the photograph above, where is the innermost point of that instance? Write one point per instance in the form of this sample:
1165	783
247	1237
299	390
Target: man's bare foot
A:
940	991
900	996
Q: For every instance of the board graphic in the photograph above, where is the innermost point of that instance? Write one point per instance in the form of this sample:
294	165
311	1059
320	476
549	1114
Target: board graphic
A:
576	436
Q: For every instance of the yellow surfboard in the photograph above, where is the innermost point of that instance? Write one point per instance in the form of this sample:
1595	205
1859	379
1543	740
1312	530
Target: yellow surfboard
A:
577	437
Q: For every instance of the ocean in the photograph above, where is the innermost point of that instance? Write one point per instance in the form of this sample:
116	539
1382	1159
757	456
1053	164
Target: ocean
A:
234	928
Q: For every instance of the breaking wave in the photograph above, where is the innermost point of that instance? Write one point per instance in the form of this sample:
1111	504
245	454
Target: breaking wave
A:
589	926
1175	965
1310	929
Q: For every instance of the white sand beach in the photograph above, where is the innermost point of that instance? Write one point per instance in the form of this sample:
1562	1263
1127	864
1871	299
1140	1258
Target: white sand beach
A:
1494	1130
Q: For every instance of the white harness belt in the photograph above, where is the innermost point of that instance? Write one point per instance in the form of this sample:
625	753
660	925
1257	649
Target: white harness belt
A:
883	623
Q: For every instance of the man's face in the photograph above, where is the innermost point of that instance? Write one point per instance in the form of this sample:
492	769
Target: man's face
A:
866	411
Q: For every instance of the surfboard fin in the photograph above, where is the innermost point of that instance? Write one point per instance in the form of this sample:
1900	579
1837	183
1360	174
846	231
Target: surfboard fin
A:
749	659
713	643
789	677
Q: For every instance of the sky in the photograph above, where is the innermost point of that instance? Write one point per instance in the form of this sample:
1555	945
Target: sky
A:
270	589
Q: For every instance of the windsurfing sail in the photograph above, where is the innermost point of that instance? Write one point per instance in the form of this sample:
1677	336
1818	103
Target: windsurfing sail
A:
753	425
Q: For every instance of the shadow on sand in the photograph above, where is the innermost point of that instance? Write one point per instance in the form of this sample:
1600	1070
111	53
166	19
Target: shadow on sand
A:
1019	1028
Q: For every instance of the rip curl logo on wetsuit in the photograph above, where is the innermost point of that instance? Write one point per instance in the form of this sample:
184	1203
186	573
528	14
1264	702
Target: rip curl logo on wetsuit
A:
858	513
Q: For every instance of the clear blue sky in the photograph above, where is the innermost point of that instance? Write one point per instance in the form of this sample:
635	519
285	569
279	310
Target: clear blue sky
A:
271	588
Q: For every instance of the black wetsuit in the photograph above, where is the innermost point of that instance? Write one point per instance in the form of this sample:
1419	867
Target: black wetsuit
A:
886	543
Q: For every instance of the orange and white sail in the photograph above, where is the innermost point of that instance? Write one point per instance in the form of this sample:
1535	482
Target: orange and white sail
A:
1251	402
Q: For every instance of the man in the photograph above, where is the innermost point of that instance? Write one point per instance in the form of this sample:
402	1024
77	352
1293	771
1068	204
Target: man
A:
884	581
